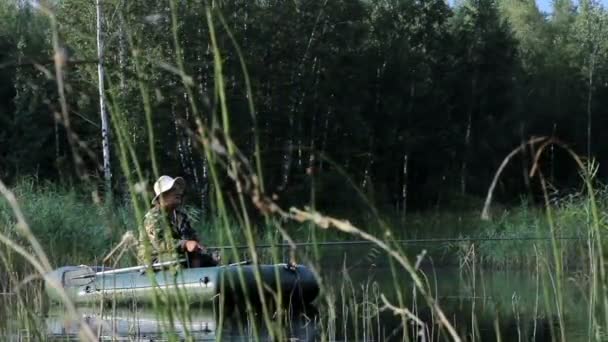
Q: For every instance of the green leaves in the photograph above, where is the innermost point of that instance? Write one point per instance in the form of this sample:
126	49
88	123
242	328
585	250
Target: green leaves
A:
347	79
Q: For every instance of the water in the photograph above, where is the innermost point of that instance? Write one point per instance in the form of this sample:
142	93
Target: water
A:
146	325
476	301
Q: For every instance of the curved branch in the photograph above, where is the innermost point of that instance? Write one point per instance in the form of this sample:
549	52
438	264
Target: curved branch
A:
553	141
485	213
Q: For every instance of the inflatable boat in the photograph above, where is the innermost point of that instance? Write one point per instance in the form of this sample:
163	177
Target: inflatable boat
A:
235	283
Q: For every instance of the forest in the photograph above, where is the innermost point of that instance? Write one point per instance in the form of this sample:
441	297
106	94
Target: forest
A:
398	169
414	102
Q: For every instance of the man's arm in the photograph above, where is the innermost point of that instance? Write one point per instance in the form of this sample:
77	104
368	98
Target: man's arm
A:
185	229
188	237
154	229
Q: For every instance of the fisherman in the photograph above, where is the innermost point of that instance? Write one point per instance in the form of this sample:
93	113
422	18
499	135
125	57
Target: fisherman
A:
168	229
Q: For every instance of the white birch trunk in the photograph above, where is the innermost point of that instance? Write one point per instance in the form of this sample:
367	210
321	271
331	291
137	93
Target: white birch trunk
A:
404	188
105	130
324	139
122	52
203	73
295	106
287	152
367	173
300	147
180	141
370	163
312	145
467	137
467	142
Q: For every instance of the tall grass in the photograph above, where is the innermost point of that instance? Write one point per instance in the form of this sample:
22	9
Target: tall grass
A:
74	227
59	215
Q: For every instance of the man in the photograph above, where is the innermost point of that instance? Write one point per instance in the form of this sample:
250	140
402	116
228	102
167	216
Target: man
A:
169	232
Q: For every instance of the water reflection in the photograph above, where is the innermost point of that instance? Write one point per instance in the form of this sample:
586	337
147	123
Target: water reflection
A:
519	305
144	324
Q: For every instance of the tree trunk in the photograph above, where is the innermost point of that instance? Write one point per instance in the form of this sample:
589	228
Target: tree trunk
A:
525	158
287	155
312	145
589	99
297	103
404	188
180	141
186	142
300	143
552	176
105	129
463	170
122	53
370	162
202	59
325	133
289	143
467	139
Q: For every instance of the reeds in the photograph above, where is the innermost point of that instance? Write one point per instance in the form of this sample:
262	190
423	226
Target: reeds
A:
348	310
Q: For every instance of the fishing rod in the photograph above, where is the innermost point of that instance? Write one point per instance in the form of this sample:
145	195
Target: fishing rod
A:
401	242
130	269
145	267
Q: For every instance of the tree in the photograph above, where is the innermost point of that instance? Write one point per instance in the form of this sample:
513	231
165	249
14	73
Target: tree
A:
105	128
486	62
591	32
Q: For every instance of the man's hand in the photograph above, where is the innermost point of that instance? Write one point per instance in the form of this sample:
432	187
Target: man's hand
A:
192	246
216	256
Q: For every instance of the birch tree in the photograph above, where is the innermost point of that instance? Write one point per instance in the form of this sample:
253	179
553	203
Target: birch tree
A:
591	32
105	128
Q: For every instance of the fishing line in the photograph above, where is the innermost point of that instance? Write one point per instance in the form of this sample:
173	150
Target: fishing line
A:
404	242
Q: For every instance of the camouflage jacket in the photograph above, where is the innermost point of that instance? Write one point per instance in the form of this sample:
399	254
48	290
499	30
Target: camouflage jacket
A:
167	234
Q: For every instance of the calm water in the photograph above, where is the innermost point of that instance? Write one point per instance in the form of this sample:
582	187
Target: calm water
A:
145	325
475	302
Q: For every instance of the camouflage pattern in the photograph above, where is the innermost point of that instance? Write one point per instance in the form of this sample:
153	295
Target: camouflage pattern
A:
167	234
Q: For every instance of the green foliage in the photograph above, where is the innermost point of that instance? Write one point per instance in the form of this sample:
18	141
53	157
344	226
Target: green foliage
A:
71	228
362	84
24	113
74	229
572	221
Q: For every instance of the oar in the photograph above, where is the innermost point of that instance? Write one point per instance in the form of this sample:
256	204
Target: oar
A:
130	269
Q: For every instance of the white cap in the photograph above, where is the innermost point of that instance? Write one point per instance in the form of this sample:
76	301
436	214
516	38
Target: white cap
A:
166	183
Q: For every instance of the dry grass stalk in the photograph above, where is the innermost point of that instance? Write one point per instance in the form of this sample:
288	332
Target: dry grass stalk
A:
485	213
246	181
400	311
345	226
